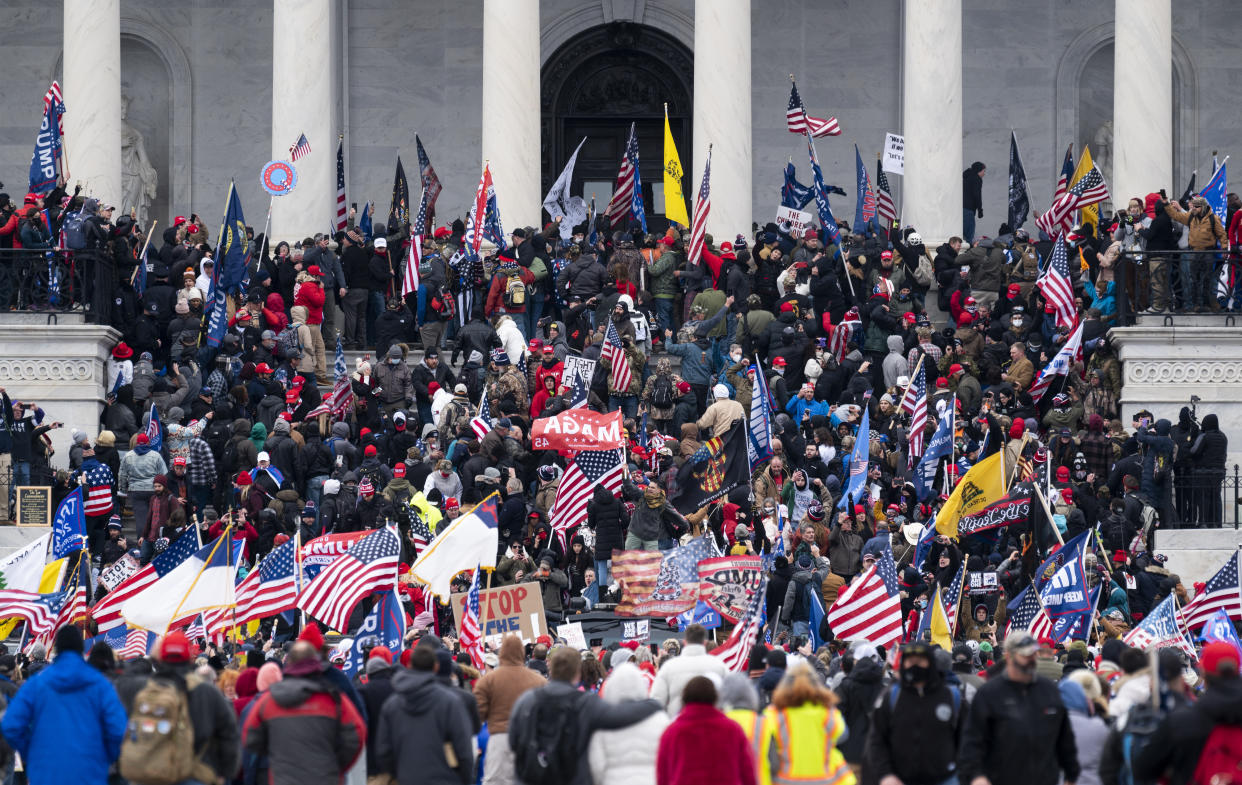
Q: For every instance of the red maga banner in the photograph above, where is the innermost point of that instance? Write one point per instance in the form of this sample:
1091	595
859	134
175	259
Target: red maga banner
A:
578	429
727	583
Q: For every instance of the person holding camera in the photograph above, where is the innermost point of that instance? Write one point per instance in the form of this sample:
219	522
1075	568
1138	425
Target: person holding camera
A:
552	584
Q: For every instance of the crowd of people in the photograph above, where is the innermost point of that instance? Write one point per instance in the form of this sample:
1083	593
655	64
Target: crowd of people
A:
268	438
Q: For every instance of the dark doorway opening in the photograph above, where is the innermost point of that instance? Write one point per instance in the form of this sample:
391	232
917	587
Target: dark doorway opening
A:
599	83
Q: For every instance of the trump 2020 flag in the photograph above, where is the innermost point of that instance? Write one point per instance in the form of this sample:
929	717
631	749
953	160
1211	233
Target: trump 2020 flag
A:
202	582
69	525
941	445
1215	194
385	623
232	263
831	233
466	542
1219	627
858	460
45	163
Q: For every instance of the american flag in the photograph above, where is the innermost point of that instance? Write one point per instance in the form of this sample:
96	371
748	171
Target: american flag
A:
1221	592
586	470
155	432
870	607
53	97
661	582
72	610
342	391
409	281
137	643
342	218
39	611
370	565
702	207
1070	353
107	612
431	188
473	237
915	404
270	589
799	122
1056	285
952	598
197	629
614	351
1030	616
97	484
1090	189
651	442
470	637
843	333
884	195
1067	171
627	197
420	533
735	652
1162	628
481	423
300	148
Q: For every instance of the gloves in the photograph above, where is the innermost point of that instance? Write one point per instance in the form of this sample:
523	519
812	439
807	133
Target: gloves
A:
980	212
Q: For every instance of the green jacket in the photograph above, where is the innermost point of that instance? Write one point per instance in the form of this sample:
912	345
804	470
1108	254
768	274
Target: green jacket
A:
663	283
712	301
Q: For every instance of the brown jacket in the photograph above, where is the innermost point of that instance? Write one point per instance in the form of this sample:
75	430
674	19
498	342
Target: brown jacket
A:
499	689
1205	231
1020	374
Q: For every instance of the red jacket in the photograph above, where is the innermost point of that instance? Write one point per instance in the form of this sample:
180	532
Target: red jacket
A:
683	759
243	531
310	294
10	230
305	731
496	292
1235	231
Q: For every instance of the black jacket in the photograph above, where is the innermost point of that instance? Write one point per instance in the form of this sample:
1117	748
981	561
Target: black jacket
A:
607	516
1018	734
1210	448
914	737
1173	751
857	694
417	724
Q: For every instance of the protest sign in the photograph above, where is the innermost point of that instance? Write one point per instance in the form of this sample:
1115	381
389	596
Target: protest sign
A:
726	584
516	609
894	159
791	221
121	569
578	429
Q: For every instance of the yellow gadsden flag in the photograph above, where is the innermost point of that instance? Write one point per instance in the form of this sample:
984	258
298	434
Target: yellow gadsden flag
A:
941	635
674	199
982	485
1090	214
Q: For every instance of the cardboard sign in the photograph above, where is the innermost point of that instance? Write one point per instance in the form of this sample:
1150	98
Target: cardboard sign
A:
726	584
792	221
573	635
121	569
577	429
894	159
516	609
34	505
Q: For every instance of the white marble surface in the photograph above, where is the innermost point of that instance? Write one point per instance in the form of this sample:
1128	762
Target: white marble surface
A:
931	110
302	104
92	90
1143	99
722	117
511	108
1197	554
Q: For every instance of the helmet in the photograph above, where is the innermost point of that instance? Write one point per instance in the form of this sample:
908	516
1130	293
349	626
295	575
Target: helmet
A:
914	239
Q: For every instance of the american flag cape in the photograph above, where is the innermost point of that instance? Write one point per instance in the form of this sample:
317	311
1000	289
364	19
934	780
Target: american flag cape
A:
481	423
107	612
155	431
1057	287
300	148
627	196
470	636
614	351
870	607
843	333
586	470
1222	592
797	121
370	565
97	484
702	208
735	651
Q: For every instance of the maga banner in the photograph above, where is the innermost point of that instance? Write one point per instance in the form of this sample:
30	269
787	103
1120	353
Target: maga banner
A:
578	429
727	584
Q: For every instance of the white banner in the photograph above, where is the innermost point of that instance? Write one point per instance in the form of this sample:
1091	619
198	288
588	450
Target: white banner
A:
894	154
791	221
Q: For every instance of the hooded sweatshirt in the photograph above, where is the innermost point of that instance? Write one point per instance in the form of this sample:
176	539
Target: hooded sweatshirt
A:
310	733
417	725
499	689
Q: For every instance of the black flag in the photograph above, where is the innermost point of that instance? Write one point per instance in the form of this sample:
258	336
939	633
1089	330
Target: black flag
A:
399	210
1019	200
718	467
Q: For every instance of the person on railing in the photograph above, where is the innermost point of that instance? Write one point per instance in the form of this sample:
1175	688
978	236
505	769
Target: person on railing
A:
1206	234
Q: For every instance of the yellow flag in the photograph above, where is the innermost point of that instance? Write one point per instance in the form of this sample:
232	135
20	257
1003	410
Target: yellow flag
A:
984	484
939	626
49	583
674	199
1090	214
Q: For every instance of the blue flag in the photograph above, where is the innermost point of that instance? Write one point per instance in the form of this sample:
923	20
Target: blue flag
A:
815	619
793	193
69	525
1214	192
864	205
923	547
940	446
831	233
45	163
700	614
759	437
385	623
1057	559
857	487
1219	627
364	223
232	262
140	279
155	431
1065	595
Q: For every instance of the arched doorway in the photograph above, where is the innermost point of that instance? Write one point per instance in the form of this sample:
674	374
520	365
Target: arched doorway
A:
599	83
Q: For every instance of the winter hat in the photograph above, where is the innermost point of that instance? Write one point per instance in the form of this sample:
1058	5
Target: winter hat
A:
331	487
1217	654
244	478
365	487
175	648
720	392
313	636
269	674
1017	429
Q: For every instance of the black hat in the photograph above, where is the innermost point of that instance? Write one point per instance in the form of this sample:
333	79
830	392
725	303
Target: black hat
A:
519	232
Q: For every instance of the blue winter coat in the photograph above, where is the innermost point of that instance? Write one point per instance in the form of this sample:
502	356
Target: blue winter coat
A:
67	723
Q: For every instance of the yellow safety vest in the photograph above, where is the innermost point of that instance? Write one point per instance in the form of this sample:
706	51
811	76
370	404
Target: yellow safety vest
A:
754	726
804	741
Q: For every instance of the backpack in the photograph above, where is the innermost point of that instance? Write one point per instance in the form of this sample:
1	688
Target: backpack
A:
662	392
1221	758
444	304
158	748
895	690
515	292
548	754
74	227
1141	724
288	340
1161	467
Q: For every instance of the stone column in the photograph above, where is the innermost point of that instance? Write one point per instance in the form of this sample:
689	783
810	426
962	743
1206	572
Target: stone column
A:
511	134
302	104
722	114
1142	99
92	89
931	112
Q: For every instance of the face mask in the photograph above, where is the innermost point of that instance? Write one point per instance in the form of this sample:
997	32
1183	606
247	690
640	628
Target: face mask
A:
737	357
914	674
903	297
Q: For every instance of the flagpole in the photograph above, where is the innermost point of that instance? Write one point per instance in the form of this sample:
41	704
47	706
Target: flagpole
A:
913	376
134	275
1048	511
266	227
225	535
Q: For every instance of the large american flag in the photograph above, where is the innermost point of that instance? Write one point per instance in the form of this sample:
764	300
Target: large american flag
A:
1070	353
799	122
702	207
1030	616
1056	285
72	610
39	611
870	607
1090	189
473	238
586	470
137	643
627	197
300	148
1221	592
431	187
735	652
52	97
270	589
97	485
470	637
843	333
420	533
342	218
342	391
107	612
370	565
481	423
884	195
614	351
409	280
915	404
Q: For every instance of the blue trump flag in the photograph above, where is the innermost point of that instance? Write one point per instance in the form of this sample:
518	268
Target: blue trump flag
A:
940	446
1219	627
858	460
700	614
45	163
232	262
759	436
385	623
793	193
364	223
1065	594
864	205
1215	193
69	525
155	431
831	233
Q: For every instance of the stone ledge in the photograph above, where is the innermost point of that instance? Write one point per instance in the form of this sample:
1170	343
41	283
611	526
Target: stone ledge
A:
1196	554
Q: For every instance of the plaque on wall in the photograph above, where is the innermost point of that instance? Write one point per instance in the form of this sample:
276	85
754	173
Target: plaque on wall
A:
34	505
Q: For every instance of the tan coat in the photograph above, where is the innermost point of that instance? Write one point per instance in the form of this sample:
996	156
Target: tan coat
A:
1205	231
721	416
499	689
1020	373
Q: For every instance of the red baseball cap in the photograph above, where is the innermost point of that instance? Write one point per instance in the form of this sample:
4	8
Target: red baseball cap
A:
779	362
175	648
398	470
382	652
179	461
369	450
142	439
314	270
1217	653
263	368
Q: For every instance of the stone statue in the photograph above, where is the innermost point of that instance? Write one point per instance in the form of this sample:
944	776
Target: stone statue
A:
138	176
1102	150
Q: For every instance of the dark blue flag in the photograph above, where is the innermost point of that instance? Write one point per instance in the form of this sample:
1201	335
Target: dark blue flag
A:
384	626
69	525
232	262
831	233
793	193
45	163
1019	199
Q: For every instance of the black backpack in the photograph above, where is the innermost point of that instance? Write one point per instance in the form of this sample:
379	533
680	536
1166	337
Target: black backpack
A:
548	754
662	392
74	227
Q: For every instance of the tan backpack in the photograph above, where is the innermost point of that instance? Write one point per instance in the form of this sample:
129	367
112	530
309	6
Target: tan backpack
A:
158	748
